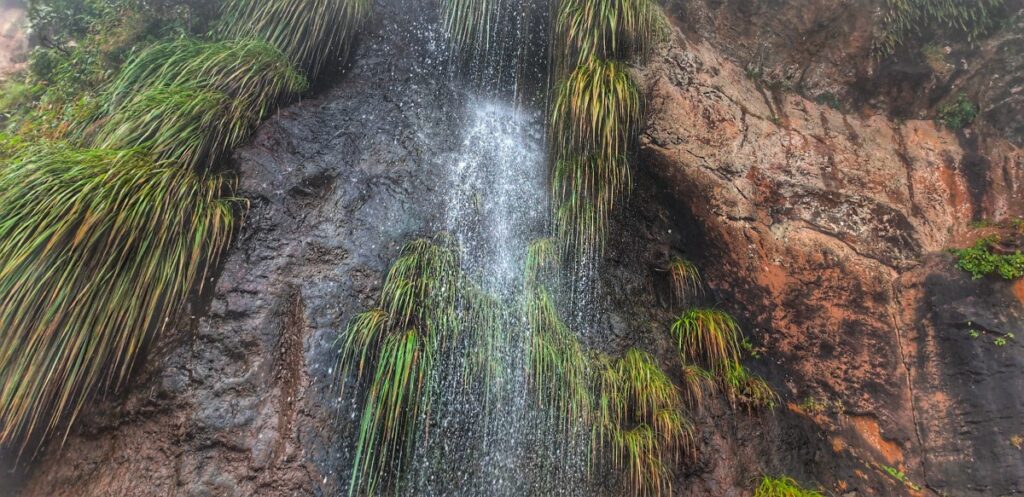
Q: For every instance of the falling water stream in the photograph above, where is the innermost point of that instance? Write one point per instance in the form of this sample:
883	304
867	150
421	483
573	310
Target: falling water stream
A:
496	444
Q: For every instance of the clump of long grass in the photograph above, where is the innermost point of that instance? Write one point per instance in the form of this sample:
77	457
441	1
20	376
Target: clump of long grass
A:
606	29
782	486
559	367
686	280
427	307
748	389
191	101
542	263
903	19
595	115
99	250
698	385
244	69
640	421
309	32
707	336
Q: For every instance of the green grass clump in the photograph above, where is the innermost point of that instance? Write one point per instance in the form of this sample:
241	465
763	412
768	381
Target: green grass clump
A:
595	116
100	249
559	367
707	336
192	101
640	422
980	260
427	308
783	486
903	19
958	113
606	29
542	262
748	389
309	32
686	280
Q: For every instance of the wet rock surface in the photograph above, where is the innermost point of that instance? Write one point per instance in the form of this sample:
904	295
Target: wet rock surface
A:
822	231
236	399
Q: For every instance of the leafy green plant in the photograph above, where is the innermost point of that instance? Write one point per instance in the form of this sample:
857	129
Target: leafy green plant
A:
707	336
595	116
980	260
782	486
308	32
903	19
1001	341
686	280
559	367
100	249
958	113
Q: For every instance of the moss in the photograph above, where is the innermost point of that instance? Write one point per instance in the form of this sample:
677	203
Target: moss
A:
980	260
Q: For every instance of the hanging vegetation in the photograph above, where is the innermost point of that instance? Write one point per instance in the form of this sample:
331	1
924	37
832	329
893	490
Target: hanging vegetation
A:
903	19
595	115
640	420
596	112
423	311
100	249
309	32
470	24
192	101
605	29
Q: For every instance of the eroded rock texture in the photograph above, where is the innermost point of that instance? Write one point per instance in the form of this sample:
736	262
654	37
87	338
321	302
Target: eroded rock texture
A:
827	231
823	231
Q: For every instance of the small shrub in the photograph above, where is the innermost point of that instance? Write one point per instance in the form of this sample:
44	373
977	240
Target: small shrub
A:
981	261
958	113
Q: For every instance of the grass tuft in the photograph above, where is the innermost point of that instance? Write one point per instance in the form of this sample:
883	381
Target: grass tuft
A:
641	422
595	115
309	32
903	19
559	367
707	336
100	249
748	389
782	486
686	280
606	29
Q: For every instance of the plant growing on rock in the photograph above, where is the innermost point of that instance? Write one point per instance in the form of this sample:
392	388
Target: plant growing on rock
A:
981	260
192	101
605	29
782	486
640	421
595	116
422	313
708	336
748	389
686	280
958	113
903	19
308	32
100	250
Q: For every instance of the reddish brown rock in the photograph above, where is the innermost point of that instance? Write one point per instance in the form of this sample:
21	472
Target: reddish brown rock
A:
826	232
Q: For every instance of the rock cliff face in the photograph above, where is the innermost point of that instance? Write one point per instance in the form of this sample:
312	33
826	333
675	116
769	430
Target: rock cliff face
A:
824	231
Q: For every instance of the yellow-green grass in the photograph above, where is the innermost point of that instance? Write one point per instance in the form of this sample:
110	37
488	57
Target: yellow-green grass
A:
311	33
782	486
606	29
99	250
709	337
